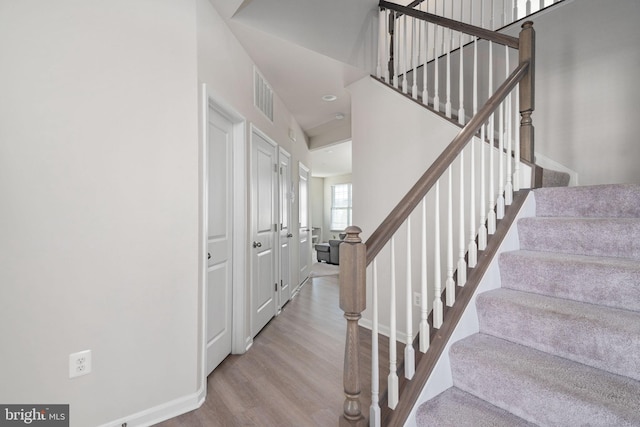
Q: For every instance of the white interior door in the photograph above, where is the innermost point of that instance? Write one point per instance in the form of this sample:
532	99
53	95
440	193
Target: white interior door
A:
305	223
219	238
285	233
264	167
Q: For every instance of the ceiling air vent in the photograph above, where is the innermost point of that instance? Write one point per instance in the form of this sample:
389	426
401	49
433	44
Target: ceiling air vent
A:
262	95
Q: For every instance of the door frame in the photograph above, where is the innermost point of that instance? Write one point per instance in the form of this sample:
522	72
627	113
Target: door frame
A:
284	194
301	167
240	341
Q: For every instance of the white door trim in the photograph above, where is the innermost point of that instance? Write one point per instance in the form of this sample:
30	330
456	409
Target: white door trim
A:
241	340
303	167
284	194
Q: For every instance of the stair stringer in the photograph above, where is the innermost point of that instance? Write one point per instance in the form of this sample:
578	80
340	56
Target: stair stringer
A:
441	377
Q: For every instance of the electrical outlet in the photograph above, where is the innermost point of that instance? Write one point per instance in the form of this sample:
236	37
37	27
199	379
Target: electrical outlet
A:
79	363
417	299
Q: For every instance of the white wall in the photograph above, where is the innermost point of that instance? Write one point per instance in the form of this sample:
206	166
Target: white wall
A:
99	177
587	62
99	217
393	144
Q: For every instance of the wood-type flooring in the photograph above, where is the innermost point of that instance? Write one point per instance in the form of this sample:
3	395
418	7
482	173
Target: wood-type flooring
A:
292	374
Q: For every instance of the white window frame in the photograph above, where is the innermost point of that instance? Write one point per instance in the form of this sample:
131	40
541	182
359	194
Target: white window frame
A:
349	208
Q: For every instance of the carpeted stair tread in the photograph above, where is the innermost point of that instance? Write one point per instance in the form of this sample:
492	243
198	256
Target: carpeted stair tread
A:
542	388
612	237
602	337
456	408
614	282
613	200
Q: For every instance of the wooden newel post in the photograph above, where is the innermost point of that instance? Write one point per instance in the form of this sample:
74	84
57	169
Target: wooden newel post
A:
353	302
527	91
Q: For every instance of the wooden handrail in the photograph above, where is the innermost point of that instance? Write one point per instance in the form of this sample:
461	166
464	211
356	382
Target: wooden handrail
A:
482	33
403	209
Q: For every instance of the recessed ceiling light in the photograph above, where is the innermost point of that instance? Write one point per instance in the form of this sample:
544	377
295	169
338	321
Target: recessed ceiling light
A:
329	98
339	116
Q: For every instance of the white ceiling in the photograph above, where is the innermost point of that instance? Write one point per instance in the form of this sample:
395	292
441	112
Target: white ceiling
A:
332	160
306	49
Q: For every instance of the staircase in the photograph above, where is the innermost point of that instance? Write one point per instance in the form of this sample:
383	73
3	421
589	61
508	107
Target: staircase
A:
559	342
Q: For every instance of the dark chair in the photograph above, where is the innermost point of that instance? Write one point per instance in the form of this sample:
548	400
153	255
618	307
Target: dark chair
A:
330	252
323	252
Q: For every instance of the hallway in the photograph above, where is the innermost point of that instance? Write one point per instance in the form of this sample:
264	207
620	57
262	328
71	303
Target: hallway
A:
291	376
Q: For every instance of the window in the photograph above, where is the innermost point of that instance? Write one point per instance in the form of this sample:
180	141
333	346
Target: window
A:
340	206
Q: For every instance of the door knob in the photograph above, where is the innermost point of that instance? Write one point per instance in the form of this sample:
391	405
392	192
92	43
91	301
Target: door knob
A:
208	255
257	244
289	235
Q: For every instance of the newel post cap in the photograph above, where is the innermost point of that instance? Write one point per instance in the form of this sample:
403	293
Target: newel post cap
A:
353	234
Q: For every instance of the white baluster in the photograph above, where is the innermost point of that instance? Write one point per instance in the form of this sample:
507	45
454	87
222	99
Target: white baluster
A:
541	6
424	325
437	301
450	285
381	44
436	76
504	12
447	107
414	45
492	16
473	247
500	201
491	216
396	52
386	47
462	264
425	90
508	187
528	6
461	117
405	54
515	12
482	229
374	410
516	151
392	380
409	354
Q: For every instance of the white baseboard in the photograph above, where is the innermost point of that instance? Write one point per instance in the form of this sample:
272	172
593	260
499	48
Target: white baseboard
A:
384	330
162	412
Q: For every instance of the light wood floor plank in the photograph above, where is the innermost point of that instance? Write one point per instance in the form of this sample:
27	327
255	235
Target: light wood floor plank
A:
291	376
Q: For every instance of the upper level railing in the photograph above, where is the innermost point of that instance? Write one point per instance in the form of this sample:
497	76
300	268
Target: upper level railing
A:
479	172
489	14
